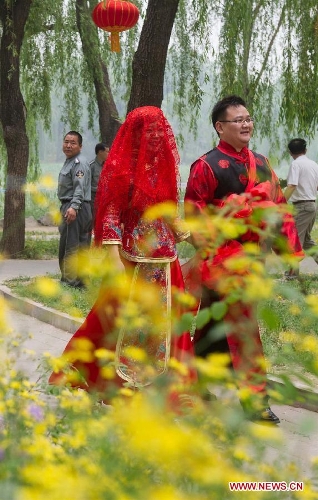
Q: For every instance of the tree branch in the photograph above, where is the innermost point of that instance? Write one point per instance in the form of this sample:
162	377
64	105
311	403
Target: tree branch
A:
269	48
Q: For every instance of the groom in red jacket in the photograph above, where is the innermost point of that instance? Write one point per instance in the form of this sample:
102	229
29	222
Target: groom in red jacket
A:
232	173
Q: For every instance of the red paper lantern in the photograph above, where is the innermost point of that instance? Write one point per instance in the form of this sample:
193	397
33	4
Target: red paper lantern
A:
115	16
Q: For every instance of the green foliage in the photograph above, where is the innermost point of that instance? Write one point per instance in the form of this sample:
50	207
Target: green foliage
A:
189	61
288	320
185	250
218	310
265	51
268	54
68	299
300	68
32	207
40	248
39	64
139	448
145	446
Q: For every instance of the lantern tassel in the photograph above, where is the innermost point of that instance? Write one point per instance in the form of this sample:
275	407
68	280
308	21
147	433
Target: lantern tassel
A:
114	41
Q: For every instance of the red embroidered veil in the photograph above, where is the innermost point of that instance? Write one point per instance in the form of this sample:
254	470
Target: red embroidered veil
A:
123	179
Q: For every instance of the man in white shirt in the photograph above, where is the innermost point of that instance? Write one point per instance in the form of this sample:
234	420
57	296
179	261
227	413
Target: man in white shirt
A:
301	191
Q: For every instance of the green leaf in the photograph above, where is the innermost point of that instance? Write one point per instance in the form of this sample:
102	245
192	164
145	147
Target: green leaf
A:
270	317
185	323
218	310
203	318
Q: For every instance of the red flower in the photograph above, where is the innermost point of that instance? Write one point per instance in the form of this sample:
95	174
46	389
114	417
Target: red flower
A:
239	205
229	250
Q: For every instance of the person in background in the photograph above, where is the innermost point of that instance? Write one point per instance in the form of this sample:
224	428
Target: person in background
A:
74	193
141	171
96	165
301	191
232	173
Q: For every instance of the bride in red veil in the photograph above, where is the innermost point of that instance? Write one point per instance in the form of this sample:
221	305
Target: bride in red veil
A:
141	171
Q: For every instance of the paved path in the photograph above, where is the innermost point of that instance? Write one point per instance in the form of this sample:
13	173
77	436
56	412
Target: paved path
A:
10	269
40	338
14	268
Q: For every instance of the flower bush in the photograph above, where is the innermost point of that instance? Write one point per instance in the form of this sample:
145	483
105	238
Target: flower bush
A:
58	443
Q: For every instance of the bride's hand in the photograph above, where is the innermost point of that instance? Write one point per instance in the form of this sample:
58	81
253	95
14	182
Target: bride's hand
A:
114	258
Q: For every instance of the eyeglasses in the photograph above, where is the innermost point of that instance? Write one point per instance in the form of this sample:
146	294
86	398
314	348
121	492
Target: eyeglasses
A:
240	121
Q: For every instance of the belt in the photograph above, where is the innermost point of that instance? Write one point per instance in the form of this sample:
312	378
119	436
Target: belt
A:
303	201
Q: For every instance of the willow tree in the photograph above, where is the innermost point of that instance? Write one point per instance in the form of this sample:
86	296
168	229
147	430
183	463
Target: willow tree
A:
25	99
96	67
51	56
13	17
268	53
266	50
299	80
149	62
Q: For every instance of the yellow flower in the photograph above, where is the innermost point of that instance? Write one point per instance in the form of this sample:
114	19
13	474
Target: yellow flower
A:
241	454
107	372
288	336
267	433
179	367
125	391
82	344
185	299
211	369
14	384
219	359
79	401
76	313
312	302
57	364
56	216
78	437
47	181
161	210
294	309
13	373
168	492
256	288
104	354
135	353
40	199
230	229
252	249
309	343
47	287
245	393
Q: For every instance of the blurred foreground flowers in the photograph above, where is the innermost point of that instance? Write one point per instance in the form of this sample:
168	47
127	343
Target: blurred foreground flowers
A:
62	444
57	443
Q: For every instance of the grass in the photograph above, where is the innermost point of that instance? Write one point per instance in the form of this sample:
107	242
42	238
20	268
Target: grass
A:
83	300
39	246
68	300
40	249
289	328
287	311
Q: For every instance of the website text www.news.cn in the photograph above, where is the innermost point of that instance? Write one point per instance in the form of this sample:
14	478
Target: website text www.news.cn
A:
266	486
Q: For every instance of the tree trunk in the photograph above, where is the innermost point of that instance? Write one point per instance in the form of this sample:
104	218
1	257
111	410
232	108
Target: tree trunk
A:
150	58
109	122
13	17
